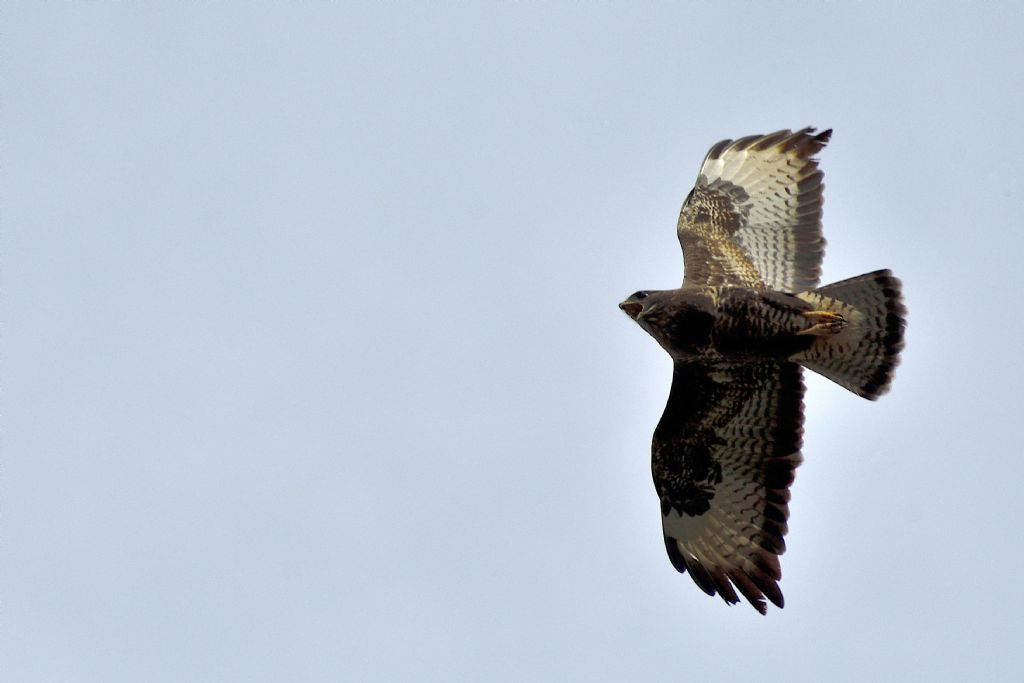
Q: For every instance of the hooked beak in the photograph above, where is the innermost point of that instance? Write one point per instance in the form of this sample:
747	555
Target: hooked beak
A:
632	308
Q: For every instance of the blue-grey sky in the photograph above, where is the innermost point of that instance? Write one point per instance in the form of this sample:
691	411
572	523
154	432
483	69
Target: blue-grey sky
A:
313	370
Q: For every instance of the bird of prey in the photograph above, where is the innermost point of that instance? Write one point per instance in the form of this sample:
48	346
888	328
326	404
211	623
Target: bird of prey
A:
749	316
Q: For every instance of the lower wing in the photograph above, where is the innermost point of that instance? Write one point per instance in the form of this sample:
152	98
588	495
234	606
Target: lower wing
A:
723	458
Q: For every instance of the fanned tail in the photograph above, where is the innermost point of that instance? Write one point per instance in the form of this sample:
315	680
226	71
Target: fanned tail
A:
863	355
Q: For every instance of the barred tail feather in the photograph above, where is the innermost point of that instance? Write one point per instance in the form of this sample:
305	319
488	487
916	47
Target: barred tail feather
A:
864	354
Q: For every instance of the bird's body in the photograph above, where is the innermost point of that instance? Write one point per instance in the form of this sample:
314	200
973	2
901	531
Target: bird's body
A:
748	317
727	323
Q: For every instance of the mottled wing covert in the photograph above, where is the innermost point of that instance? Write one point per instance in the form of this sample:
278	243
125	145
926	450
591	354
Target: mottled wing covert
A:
724	456
754	217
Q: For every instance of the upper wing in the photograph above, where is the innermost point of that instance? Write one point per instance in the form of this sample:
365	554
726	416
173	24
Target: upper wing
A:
723	458
754	217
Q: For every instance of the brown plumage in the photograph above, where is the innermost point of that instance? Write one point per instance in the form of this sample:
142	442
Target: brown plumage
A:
748	316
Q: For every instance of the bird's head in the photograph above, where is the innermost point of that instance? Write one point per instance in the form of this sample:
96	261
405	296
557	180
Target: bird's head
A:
639	303
678	319
652	310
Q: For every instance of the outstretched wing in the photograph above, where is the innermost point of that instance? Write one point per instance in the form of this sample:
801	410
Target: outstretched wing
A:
723	458
754	217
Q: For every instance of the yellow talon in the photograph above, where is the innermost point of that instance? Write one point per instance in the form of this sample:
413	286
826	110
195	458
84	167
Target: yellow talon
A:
825	322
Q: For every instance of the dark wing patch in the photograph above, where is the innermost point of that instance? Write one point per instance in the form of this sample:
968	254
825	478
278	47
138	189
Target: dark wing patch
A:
753	218
723	459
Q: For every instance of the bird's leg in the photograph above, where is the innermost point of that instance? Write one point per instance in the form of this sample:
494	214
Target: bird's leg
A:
825	322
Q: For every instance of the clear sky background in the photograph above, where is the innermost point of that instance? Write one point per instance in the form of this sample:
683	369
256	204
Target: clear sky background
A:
312	366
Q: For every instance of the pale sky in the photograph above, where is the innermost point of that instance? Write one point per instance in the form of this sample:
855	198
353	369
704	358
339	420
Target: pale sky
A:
312	366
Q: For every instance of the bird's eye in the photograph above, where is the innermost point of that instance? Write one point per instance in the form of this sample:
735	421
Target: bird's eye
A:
640	295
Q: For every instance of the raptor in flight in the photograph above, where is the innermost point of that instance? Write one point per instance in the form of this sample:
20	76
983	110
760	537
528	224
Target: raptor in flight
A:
749	316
